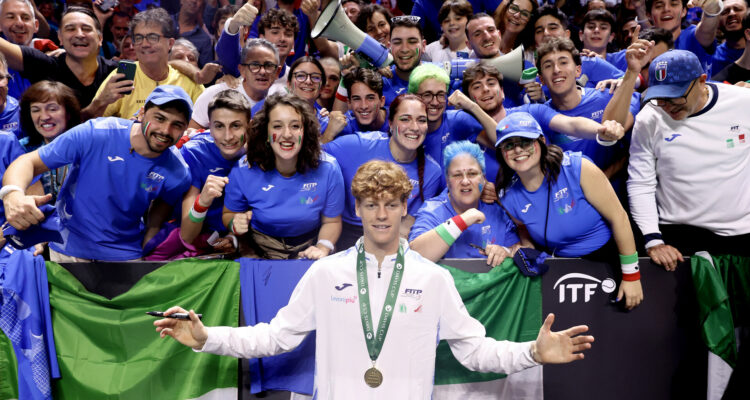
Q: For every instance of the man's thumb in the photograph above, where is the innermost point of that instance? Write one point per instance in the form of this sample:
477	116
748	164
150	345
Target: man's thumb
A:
42	199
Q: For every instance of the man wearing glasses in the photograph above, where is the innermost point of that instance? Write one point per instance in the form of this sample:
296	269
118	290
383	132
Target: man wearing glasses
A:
689	189
259	69
153	35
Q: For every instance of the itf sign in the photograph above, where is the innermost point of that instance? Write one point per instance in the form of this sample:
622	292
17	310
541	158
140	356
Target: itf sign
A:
570	286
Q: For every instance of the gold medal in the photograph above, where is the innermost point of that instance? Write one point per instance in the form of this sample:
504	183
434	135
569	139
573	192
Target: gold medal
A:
373	377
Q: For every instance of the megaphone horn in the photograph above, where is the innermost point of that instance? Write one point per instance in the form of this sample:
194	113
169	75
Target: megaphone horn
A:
510	65
335	25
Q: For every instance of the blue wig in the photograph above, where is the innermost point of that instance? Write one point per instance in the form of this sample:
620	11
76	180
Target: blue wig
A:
463	147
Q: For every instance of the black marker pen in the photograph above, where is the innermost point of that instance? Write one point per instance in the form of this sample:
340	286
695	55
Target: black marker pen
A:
182	316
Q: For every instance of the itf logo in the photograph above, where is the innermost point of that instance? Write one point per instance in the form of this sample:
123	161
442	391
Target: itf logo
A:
573	283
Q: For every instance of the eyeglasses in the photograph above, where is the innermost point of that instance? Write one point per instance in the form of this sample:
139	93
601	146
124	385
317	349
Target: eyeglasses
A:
255	66
152	38
461	175
402	18
302	76
428	96
677	101
510	145
514	9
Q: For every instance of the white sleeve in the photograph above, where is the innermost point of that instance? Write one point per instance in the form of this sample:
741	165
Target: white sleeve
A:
466	337
285	332
642	177
200	109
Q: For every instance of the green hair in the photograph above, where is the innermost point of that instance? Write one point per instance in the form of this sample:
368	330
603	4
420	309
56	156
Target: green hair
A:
427	71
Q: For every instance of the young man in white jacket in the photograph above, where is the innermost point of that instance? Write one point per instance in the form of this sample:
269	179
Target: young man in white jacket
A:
396	357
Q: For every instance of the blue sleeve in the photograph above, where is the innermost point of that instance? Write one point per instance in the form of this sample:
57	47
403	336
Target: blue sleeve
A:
228	52
338	147
234	199
543	114
193	166
69	147
688	41
464	126
335	192
598	69
635	104
178	187
254	28
425	221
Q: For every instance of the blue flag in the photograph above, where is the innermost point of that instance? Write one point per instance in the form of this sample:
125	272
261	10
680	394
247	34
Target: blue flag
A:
266	287
25	320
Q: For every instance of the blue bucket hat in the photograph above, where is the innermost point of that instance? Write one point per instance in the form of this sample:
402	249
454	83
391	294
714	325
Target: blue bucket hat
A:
670	75
518	124
163	94
46	231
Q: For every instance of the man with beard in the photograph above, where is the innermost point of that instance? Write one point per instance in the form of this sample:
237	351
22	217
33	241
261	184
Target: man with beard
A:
259	70
730	22
9	110
80	67
738	71
117	168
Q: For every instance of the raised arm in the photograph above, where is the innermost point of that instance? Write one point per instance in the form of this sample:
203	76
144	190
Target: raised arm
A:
196	203
22	210
705	32
13	54
637	55
586	128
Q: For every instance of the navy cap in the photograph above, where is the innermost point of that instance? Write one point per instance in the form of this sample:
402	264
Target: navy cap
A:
670	74
46	231
165	93
518	124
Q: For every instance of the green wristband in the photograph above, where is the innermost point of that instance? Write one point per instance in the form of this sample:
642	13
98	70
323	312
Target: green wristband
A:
631	259
445	235
195	219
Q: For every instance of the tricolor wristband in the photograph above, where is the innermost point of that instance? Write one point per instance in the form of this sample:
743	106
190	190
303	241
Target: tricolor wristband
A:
629	267
451	229
197	205
196	216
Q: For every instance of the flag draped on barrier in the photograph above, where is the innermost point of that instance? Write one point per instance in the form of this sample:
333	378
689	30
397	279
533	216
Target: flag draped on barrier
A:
509	306
25	321
722	286
109	348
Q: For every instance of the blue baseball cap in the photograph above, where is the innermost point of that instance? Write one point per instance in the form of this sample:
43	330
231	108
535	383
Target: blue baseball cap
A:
165	93
46	231
518	124
670	75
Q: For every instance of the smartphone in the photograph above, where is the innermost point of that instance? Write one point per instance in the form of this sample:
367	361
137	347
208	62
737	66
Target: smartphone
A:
108	4
126	67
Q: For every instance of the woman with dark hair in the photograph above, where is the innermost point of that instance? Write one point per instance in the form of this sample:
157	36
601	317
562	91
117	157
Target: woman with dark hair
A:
48	108
512	20
565	201
453	16
455	224
375	20
403	145
285	192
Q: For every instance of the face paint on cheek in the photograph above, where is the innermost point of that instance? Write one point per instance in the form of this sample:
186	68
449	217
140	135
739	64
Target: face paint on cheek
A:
273	138
481	187
299	140
145	128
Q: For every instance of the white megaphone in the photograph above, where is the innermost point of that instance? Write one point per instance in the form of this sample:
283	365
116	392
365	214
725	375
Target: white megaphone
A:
510	65
335	25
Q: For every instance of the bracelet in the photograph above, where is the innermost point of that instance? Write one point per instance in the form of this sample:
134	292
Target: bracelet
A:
230	227
451	229
326	243
721	8
603	142
631	277
629	265
197	205
9	188
196	216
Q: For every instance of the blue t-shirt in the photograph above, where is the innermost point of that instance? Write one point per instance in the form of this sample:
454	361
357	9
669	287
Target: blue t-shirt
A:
592	105
618	60
17	84
688	41
574	227
355	150
457	125
10	149
323	121
393	87
108	188
286	207
595	69
352	126
724	56
10	118
203	159
497	228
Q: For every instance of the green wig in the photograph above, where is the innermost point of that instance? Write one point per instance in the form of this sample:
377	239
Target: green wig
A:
427	71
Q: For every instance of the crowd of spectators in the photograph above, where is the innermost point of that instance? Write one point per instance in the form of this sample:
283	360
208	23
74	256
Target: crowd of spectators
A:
240	133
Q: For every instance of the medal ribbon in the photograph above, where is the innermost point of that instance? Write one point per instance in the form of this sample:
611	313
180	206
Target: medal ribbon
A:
373	339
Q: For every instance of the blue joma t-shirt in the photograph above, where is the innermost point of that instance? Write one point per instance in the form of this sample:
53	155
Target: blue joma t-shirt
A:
355	150
286	207
10	149
203	159
109	188
497	228
574	227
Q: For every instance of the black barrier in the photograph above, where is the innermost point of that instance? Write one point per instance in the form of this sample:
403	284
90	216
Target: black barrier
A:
652	352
